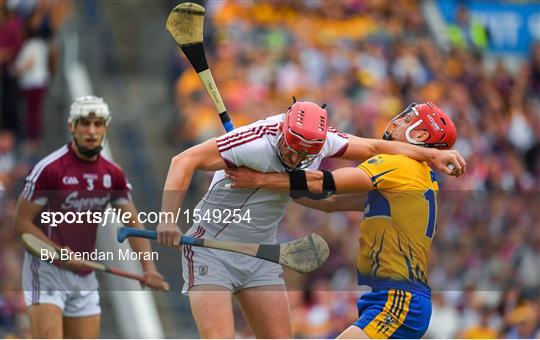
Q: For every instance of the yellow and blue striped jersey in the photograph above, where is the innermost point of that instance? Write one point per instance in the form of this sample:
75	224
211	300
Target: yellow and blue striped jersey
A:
400	217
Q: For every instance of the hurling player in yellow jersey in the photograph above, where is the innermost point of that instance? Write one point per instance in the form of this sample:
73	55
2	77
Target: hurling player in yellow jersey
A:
400	217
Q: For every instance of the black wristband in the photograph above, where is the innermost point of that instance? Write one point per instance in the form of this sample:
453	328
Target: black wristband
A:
328	187
298	184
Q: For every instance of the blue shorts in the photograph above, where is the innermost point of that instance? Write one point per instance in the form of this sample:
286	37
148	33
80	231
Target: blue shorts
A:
394	314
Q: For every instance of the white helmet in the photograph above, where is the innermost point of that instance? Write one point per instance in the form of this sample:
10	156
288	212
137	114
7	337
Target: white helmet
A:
83	106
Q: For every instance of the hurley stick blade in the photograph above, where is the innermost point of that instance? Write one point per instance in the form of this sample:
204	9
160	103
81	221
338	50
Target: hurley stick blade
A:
38	248
185	23
305	254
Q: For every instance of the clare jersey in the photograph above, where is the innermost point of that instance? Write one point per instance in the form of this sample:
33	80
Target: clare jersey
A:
254	146
399	223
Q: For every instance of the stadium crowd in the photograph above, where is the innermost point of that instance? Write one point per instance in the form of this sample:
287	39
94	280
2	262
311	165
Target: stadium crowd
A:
366	60
28	60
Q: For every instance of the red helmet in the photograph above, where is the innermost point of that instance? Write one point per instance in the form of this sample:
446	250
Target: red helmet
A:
304	129
429	117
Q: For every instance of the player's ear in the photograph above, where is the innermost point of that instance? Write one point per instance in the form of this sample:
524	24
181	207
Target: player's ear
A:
71	127
420	135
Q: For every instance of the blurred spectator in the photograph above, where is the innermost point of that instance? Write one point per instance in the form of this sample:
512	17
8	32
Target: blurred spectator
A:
528	260
43	17
523	322
32	69
11	39
534	79
444	318
11	168
482	329
467	32
7	156
13	321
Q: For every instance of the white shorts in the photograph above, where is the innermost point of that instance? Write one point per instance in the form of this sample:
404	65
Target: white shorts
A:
44	283
204	266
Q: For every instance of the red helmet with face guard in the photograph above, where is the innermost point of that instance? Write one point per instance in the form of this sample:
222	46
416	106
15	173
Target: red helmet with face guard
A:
429	117
304	129
303	132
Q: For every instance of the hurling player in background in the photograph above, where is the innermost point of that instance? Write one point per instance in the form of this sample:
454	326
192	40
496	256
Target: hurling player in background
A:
400	217
64	301
299	138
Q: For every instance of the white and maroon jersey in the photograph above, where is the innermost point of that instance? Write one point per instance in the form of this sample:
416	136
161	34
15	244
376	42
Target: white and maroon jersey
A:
255	146
62	182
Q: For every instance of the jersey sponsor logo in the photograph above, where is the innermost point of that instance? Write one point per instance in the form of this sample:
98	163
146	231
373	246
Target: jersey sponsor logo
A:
90	178
376	160
107	181
70	180
75	203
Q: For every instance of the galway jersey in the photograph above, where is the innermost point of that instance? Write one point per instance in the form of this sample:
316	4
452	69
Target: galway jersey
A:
254	146
63	183
400	217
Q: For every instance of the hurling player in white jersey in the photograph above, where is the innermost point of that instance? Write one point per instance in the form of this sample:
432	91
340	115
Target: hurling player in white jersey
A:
62	298
299	138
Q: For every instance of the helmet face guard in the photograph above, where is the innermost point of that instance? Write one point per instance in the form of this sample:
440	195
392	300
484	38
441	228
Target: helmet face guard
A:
305	158
303	132
390	127
428	117
85	107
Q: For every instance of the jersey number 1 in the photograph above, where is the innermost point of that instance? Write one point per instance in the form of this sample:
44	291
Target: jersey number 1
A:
432	206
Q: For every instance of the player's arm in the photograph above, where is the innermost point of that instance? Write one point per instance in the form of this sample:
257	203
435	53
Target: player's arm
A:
204	156
345	202
23	221
346	181
152	277
364	148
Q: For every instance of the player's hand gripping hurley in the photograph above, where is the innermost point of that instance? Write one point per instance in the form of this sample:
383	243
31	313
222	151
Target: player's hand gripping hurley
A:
302	255
185	24
34	245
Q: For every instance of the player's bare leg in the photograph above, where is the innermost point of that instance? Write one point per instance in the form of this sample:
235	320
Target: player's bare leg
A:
267	310
83	327
45	321
212	310
353	332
